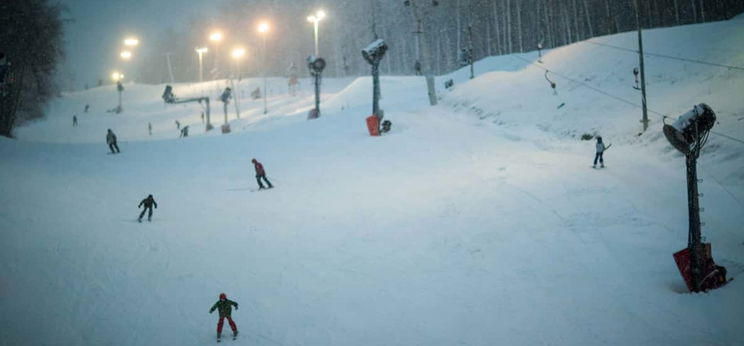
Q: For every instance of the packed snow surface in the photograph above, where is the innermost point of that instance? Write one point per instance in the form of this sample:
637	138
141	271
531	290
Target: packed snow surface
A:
476	222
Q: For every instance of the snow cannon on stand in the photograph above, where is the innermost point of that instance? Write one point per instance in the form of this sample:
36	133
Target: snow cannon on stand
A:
688	135
373	54
691	127
170	98
316	66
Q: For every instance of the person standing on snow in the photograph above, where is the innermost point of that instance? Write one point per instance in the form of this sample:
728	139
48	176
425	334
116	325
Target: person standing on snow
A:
224	307
74	120
111	141
260	173
148	203
600	150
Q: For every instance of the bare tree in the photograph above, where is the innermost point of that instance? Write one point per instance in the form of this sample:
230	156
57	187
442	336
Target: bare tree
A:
31	39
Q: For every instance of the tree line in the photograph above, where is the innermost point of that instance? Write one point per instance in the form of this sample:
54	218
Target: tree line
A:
489	27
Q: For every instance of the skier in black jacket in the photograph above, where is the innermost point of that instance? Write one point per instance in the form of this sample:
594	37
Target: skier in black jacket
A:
148	203
224	307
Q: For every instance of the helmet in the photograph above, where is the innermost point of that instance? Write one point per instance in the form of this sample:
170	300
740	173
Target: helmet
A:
254	161
599	138
223	296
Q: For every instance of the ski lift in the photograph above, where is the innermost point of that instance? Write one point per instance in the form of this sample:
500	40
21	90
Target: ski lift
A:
552	84
635	74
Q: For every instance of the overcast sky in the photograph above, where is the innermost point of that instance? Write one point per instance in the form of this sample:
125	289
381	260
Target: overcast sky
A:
95	34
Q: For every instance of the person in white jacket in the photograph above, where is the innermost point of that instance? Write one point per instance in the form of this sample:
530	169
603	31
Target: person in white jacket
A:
600	150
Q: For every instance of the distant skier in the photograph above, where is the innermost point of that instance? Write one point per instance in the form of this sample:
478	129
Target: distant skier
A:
87	106
148	202
202	117
178	125
260	174
224	307
111	141
149	128
184	131
74	120
600	151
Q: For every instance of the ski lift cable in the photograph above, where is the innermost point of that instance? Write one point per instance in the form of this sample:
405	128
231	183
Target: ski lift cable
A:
667	56
585	84
615	97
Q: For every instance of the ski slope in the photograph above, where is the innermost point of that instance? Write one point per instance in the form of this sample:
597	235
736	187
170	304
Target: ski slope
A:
475	222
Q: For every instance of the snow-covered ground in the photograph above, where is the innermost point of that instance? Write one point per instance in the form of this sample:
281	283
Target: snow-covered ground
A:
476	222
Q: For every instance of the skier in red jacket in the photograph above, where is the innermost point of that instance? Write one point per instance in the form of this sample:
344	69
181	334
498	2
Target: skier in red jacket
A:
224	307
260	173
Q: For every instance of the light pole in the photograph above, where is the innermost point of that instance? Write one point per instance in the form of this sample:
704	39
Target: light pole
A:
315	19
117	76
216	37
200	51
131	41
237	54
263	29
125	55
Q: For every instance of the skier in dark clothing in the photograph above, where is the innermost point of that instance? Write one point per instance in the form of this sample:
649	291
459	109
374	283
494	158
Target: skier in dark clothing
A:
224	307
148	202
260	173
74	120
600	151
111	141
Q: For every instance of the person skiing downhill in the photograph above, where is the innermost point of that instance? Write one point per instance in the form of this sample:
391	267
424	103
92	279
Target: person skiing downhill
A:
148	203
260	173
111	141
600	151
224	307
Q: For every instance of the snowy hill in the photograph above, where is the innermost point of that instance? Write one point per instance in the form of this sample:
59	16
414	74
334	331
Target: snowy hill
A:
476	222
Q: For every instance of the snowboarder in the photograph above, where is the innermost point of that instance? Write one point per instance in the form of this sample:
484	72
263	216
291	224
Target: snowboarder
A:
260	173
224	307
600	150
148	202
74	120
111	141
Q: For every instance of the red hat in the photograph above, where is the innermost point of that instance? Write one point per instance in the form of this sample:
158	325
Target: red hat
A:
223	296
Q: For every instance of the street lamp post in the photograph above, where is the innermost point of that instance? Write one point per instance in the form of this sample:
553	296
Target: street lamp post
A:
117	77
200	51
131	41
216	37
263	28
125	55
315	19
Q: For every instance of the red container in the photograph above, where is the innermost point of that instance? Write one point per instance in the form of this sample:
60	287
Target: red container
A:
713	276
373	125
682	258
